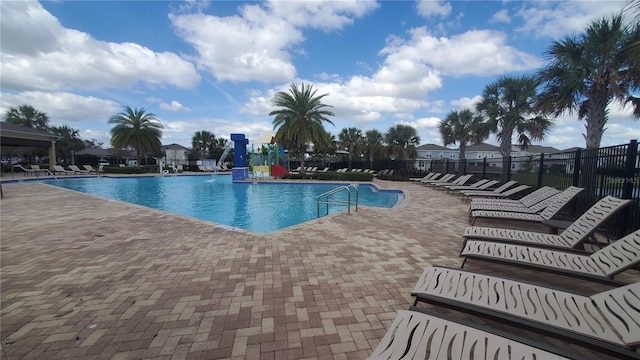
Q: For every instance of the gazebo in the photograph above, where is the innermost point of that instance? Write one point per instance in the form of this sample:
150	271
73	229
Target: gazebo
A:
16	135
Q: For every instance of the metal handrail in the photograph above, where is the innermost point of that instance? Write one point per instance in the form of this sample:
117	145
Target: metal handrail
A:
347	203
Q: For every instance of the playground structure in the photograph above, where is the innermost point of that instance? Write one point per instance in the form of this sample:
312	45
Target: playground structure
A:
262	161
265	158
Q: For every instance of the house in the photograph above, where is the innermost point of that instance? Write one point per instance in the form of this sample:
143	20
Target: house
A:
524	158
176	154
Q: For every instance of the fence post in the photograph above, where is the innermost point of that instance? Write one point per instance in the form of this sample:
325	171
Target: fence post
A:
540	171
629	170
484	168
576	167
627	185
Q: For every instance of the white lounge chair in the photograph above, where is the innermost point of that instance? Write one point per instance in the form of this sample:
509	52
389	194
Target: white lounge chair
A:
571	238
526	201
27	171
607	321
478	185
558	202
443	178
460	180
58	169
602	265
90	168
489	193
421	334
77	170
426	177
533	209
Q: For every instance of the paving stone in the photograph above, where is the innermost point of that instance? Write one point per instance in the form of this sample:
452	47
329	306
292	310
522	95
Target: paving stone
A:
89	278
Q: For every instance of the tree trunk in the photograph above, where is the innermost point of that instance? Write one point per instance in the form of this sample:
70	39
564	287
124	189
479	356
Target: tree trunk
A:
505	151
596	119
301	151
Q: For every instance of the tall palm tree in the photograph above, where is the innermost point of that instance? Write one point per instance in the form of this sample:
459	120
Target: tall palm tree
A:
68	142
218	148
138	129
27	116
463	127
507	105
630	52
350	139
326	149
299	121
588	72
203	142
402	141
373	140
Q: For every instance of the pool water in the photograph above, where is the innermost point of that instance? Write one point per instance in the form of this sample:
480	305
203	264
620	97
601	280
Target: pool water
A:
262	207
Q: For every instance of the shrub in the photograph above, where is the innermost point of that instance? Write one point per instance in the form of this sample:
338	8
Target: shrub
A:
123	170
331	176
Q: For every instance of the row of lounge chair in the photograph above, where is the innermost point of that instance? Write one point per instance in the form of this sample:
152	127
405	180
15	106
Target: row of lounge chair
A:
58	170
309	169
608	321
212	169
366	171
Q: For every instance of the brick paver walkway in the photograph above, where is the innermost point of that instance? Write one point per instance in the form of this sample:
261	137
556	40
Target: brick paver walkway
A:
88	278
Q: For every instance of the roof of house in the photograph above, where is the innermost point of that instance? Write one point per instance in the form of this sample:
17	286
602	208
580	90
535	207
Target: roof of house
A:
432	147
482	147
174	146
537	149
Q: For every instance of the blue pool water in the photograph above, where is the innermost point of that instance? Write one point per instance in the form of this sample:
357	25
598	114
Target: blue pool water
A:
262	207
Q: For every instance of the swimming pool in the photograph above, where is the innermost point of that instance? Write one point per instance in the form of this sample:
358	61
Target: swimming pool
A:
262	207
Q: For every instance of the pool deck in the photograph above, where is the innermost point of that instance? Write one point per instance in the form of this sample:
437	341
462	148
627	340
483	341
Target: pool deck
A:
89	278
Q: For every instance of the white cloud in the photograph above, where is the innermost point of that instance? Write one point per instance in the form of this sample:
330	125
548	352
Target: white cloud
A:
182	131
557	19
466	102
38	53
63	107
256	44
324	15
429	8
475	52
501	16
173	106
430	122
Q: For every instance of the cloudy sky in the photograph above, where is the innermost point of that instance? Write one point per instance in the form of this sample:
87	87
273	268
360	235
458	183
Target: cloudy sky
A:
216	65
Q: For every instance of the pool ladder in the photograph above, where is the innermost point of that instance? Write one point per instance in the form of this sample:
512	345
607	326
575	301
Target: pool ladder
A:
326	200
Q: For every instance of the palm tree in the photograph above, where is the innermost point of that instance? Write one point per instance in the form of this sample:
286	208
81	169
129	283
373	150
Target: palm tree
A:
507	105
299	121
27	116
68	143
463	127
326	149
138	129
350	139
203	142
218	148
373	140
588	72
402	141
630	52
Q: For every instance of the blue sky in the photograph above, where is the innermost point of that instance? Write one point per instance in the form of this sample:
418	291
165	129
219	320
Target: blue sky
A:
216	65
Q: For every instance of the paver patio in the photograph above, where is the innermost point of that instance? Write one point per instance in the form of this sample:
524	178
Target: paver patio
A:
90	278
